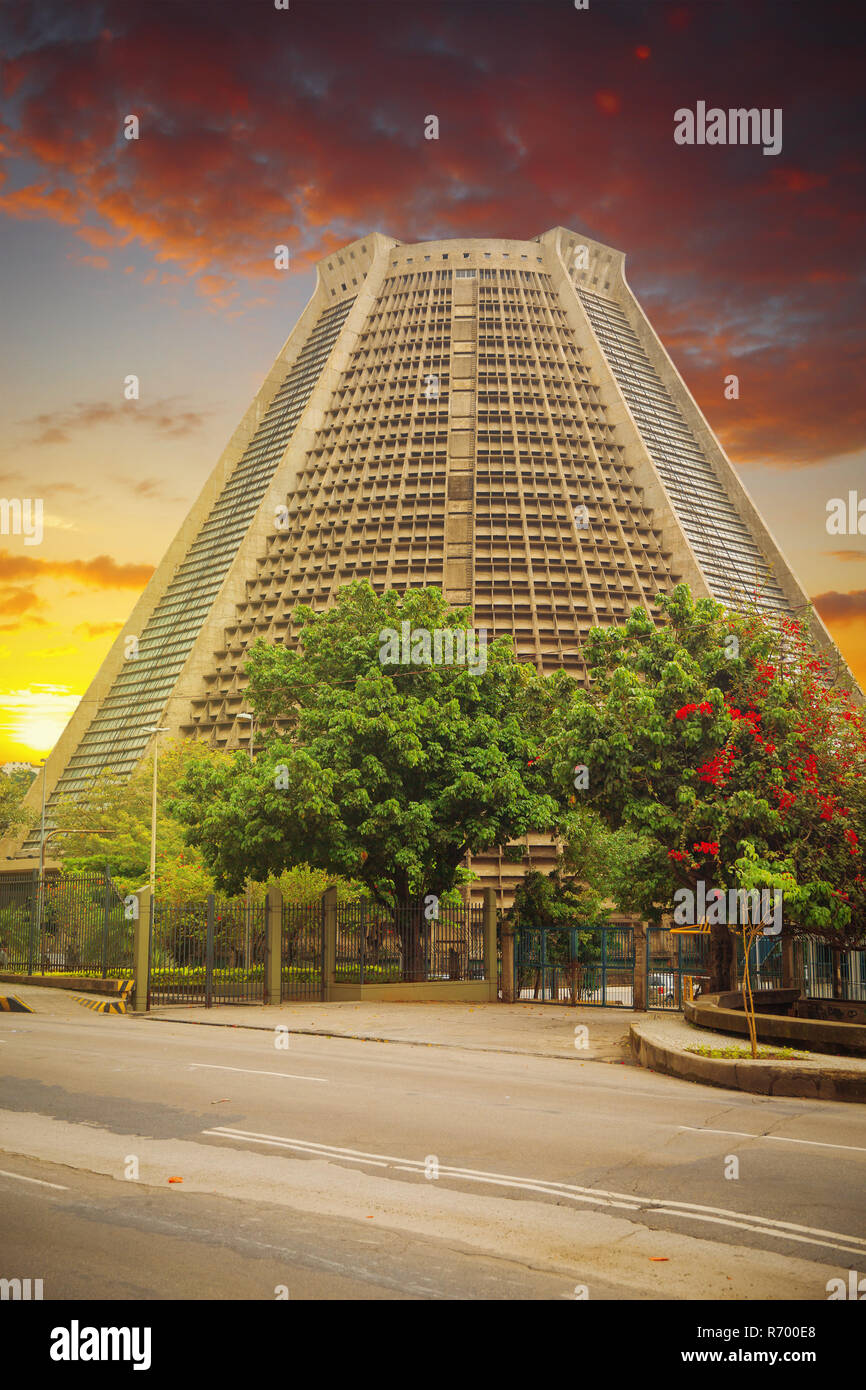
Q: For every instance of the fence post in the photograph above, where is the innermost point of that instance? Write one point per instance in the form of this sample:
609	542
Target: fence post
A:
106	908
640	968
34	913
208	964
363	947
488	919
329	913
508	965
273	945
788	981
141	948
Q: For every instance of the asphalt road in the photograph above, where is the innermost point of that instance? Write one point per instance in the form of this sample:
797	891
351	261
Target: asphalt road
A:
348	1169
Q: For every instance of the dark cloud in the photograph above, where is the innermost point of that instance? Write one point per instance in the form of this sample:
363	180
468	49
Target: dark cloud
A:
306	127
834	606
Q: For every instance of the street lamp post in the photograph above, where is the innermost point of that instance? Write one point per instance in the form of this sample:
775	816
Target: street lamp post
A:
248	892
162	729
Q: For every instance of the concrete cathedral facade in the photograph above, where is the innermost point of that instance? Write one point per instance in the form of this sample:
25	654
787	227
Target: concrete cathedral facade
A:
493	417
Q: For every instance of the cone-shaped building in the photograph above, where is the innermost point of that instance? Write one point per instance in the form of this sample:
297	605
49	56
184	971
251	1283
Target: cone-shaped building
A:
496	418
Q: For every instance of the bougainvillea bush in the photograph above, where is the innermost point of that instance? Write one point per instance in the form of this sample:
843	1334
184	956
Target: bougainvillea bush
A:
732	748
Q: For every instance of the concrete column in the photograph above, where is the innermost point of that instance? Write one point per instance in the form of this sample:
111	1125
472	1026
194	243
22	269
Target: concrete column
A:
640	947
508	965
788	981
141	949
329	904
489	922
273	944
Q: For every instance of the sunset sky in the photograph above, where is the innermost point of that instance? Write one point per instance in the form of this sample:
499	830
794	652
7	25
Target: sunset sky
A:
305	126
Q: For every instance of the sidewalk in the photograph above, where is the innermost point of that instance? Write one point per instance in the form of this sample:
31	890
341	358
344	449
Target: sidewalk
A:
536	1030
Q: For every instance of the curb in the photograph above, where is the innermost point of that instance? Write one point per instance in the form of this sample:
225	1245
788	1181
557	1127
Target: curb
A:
11	1004
102	1006
758	1078
397	1042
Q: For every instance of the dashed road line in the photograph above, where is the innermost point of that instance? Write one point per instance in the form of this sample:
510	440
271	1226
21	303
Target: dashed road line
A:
40	1181
254	1071
779	1138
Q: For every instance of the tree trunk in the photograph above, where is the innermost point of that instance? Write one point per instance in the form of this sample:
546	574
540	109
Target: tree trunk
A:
722	958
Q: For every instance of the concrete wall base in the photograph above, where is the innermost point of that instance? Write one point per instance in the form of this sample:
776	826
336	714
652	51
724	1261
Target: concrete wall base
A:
442	992
86	984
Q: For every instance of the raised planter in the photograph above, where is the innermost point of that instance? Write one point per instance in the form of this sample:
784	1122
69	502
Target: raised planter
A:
723	1013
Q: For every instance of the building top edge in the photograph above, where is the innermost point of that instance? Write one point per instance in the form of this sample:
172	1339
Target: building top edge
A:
549	237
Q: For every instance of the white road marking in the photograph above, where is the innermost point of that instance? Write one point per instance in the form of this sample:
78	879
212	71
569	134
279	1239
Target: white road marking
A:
746	1221
251	1071
22	1178
779	1138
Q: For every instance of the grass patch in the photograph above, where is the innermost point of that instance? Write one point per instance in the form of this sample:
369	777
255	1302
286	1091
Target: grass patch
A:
744	1054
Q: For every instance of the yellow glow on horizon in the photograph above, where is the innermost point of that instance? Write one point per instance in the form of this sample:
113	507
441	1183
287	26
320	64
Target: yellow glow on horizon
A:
31	721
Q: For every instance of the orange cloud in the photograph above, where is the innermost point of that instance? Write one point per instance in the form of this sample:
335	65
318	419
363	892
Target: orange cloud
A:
57	426
102	571
16	599
92	630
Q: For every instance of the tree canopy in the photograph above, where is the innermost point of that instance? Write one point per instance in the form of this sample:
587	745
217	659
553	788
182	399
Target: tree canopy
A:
379	769
721	741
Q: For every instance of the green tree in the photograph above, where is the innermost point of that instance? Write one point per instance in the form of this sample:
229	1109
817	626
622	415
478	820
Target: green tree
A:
123	806
384	772
14	786
724	745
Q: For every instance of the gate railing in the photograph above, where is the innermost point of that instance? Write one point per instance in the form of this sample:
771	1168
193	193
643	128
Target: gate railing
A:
381	945
575	965
302	960
678	967
53	924
207	952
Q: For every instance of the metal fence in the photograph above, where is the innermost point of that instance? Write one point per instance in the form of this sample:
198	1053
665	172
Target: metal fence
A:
210	952
302	970
678	968
813	970
570	965
380	945
72	924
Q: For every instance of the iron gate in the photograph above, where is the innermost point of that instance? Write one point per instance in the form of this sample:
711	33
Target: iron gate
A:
210	952
571	965
677	967
302	971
